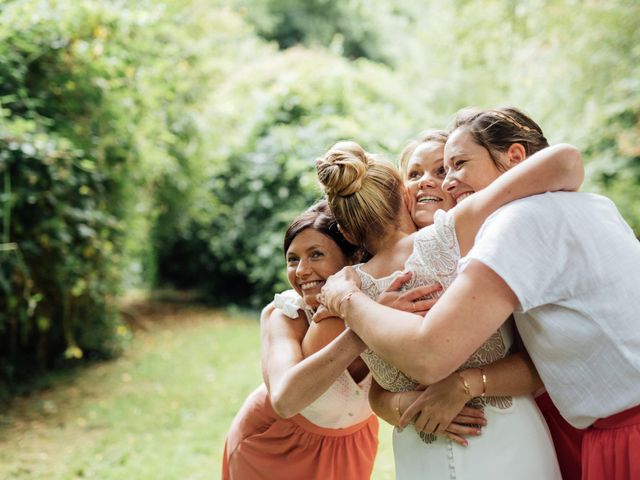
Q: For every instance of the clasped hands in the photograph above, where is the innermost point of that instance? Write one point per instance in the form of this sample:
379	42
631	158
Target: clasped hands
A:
441	409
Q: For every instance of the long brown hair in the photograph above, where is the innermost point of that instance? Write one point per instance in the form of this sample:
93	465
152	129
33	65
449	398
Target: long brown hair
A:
318	217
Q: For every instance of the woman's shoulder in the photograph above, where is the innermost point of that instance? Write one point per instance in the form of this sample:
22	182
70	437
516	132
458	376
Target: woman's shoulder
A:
289	302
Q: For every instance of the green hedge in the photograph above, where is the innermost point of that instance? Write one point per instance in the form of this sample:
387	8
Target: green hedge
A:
272	119
95	108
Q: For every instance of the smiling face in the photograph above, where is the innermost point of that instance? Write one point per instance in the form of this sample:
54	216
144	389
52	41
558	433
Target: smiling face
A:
425	173
311	257
469	166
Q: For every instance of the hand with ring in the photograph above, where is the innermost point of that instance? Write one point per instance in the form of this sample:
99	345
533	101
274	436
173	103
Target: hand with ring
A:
334	290
417	300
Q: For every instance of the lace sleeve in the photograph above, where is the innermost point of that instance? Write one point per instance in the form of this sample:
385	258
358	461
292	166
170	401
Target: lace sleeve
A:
445	227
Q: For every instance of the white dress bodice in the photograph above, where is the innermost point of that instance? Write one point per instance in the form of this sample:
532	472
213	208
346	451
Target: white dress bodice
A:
516	442
434	259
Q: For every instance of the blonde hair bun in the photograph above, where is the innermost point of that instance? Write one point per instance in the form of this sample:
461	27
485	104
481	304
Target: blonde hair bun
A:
343	168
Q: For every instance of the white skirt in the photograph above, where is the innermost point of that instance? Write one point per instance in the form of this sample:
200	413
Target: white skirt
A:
515	444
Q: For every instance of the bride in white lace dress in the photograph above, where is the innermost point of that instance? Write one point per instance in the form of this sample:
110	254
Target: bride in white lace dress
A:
367	197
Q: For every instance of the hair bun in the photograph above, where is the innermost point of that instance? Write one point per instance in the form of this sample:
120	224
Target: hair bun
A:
343	168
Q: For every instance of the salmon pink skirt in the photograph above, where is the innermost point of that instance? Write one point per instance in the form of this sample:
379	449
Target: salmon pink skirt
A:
262	445
611	447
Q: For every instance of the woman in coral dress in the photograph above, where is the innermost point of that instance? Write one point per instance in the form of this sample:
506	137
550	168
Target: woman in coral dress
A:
311	418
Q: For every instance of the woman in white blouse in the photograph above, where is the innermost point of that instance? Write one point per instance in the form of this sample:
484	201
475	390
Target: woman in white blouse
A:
366	197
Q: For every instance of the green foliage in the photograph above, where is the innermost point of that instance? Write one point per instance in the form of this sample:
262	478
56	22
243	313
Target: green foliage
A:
353	28
615	170
166	142
78	177
63	201
60	265
273	118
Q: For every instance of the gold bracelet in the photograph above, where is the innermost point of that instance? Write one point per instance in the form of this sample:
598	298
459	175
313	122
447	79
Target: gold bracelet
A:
484	383
398	407
465	385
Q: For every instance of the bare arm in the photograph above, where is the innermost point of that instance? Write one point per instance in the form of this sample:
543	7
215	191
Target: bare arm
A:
552	169
427	348
435	408
292	380
390	407
512	375
385	404
320	335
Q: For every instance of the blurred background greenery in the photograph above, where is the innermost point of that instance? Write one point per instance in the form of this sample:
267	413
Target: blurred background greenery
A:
167	143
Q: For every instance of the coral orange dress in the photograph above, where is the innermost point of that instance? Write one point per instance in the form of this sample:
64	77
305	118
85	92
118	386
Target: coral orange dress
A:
334	438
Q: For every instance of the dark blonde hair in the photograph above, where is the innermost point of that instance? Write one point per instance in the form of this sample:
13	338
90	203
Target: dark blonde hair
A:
364	191
498	129
426	136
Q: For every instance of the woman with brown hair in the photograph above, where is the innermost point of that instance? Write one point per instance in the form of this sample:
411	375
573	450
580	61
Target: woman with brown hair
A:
311	418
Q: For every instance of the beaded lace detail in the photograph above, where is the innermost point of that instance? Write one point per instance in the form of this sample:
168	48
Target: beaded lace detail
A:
434	260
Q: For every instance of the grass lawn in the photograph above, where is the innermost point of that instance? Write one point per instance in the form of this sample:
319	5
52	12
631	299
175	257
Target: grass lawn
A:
161	411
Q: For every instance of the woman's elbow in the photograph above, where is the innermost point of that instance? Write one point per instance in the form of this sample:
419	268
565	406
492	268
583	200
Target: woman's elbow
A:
430	371
573	166
281	406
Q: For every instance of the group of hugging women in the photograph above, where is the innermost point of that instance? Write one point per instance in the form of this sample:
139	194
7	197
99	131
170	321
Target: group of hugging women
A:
472	298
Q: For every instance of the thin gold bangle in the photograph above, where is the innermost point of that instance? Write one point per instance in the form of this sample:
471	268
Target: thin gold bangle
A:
398	407
465	385
484	383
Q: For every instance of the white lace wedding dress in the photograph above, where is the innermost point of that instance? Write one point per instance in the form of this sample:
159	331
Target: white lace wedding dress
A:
516	443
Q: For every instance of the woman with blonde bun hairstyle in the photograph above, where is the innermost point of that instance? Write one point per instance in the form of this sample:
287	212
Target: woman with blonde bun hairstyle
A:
369	200
365	191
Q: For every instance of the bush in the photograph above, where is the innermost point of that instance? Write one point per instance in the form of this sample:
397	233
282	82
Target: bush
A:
272	119
76	174
615	166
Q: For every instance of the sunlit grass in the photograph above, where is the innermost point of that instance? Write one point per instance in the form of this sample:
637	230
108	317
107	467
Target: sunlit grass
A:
159	412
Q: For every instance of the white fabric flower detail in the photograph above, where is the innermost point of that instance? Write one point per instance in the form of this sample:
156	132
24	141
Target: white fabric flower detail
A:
289	302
